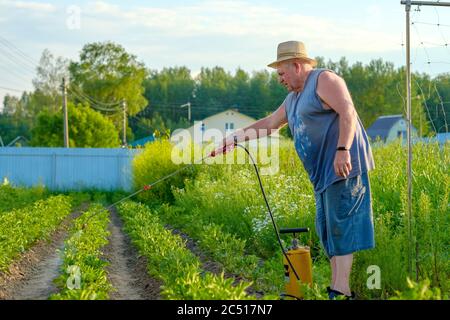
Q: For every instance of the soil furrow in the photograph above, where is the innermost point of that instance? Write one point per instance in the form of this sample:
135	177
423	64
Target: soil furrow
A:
31	277
127	271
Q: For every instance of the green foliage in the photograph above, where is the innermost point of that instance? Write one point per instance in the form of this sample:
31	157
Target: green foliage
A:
82	250
419	291
20	114
430	222
436	94
321	280
87	129
16	197
107	73
167	90
154	163
13	119
170	260
21	228
47	84
78	198
228	250
223	204
210	287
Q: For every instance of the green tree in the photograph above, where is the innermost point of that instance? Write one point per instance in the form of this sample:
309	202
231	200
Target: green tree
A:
11	129
434	94
50	72
20	114
11	105
108	74
277	91
213	92
87	129
147	126
260	95
167	91
240	89
14	120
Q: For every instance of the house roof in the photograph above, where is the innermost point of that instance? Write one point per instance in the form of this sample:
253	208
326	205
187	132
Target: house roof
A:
142	141
230	110
381	126
443	137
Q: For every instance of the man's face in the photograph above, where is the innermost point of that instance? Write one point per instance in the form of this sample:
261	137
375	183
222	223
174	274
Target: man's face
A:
288	75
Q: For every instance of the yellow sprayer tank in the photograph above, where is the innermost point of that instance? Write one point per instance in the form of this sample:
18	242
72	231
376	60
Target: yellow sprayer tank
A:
300	258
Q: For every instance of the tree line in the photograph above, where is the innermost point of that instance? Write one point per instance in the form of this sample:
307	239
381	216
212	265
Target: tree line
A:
106	78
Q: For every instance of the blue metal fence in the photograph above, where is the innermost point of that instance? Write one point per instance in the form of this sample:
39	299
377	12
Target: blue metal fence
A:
68	169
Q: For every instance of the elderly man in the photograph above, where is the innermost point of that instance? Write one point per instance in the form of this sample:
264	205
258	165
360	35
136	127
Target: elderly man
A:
334	149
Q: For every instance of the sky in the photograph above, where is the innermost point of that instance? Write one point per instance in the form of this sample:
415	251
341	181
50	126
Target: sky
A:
228	33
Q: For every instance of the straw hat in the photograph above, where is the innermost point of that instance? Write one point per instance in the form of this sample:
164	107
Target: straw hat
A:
292	50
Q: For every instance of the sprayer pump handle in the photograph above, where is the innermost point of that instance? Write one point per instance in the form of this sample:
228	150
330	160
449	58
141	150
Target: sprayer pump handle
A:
294	230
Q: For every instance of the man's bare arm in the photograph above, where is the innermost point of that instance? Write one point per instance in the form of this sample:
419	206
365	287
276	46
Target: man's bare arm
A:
332	89
256	130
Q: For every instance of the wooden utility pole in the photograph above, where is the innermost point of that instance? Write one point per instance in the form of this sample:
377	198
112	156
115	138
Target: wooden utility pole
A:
66	117
188	105
124	138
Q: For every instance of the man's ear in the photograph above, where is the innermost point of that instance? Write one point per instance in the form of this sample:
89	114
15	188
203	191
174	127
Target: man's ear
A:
297	66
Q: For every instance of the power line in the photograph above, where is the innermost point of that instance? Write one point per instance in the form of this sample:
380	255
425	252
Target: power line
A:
13	59
431	24
105	104
15	74
11	89
23	54
429	63
93	105
440	31
99	105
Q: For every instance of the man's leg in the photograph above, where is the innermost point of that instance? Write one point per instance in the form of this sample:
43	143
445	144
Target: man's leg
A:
333	272
343	267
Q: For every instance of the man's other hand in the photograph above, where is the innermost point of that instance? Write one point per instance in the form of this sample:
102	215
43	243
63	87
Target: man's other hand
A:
342	164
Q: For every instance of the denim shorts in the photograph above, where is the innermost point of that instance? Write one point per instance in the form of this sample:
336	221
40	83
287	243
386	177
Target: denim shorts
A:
344	218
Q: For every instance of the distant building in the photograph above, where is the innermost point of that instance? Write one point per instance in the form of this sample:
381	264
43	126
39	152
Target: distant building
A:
223	123
141	142
17	142
389	128
441	138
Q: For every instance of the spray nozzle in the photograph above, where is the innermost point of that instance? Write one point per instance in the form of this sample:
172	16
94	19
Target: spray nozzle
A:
294	232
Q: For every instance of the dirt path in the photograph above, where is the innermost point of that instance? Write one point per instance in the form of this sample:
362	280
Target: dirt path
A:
31	278
127	271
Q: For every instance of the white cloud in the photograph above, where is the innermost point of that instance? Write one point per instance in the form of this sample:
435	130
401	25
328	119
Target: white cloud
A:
29	5
245	20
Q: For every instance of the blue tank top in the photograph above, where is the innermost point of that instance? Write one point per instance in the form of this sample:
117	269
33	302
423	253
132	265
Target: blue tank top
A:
316	133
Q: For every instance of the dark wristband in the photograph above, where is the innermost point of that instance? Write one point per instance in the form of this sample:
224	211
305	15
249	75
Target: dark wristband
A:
342	149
